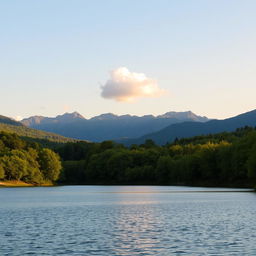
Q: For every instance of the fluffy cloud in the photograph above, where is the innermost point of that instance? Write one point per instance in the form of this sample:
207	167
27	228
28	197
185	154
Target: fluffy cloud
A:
124	85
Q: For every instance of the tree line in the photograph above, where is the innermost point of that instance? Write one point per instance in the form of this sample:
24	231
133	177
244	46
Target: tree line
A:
225	159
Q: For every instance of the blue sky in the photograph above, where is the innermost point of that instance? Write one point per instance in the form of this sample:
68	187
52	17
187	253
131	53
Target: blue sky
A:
55	55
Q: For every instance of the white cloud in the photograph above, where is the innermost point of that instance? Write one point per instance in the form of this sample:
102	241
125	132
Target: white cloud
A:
124	85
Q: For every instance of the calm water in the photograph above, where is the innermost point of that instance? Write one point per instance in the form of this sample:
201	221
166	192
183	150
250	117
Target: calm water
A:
126	220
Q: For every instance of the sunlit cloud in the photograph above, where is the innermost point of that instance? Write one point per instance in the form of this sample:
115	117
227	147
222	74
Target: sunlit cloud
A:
124	85
18	118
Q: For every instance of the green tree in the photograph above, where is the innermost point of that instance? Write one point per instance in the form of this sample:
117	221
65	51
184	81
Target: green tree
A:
12	141
32	173
14	167
50	164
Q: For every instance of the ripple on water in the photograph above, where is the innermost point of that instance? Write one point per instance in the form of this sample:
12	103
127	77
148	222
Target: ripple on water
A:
87	221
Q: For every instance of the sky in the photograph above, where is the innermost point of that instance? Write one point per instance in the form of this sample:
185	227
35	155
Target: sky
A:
127	57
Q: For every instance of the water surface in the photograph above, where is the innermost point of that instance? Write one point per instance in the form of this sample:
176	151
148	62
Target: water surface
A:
127	220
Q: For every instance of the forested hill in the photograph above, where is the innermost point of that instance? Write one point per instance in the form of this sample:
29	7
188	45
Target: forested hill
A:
190	129
7	120
24	131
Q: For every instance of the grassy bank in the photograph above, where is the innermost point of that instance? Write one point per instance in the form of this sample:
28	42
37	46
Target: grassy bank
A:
18	183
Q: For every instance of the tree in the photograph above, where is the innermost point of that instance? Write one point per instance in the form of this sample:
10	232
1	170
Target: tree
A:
34	174
12	141
14	167
50	164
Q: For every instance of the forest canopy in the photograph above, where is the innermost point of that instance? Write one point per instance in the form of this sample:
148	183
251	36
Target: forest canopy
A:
225	159
27	161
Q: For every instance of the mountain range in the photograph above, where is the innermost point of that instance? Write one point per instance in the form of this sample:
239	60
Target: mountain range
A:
126	129
190	129
108	126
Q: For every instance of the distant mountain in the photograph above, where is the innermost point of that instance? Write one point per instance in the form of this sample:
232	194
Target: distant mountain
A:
9	125
7	120
188	115
189	129
40	120
108	126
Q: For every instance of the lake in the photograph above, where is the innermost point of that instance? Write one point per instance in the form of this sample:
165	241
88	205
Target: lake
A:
127	220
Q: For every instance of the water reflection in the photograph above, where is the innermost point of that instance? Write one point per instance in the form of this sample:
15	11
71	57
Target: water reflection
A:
137	230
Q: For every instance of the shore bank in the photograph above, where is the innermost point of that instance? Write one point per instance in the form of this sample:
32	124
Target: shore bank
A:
18	183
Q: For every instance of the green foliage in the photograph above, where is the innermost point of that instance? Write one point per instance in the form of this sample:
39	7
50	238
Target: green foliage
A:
74	172
12	141
34	134
251	164
2	172
20	160
15	168
149	144
75	151
2	146
225	159
50	164
166	171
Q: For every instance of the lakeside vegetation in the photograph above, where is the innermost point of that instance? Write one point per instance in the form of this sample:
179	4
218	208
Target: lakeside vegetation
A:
19	183
226	159
26	161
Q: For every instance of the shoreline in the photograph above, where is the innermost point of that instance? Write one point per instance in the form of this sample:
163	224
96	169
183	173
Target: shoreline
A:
16	183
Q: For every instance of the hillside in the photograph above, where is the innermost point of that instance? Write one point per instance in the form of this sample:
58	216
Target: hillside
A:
108	126
24	131
7	120
189	129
